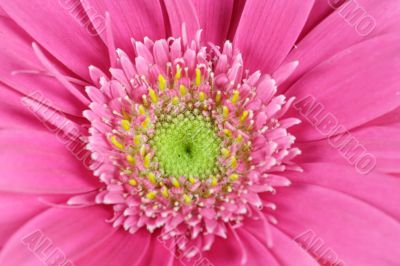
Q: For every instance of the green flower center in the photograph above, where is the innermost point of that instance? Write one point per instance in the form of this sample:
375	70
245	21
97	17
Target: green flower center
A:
186	145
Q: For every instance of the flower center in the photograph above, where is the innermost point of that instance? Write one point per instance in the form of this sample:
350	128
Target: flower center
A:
186	145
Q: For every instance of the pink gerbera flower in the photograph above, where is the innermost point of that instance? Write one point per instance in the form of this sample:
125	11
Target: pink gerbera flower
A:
243	132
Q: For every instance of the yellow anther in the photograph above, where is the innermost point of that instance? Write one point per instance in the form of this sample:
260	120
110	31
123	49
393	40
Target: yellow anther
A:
239	138
175	100
198	77
141	110
202	96
235	96
245	114
175	182
214	181
178	73
153	95
182	90
225	111
116	143
192	180
225	152
132	182
136	139
151	195
234	177
130	159
164	192
228	132
218	97
142	150
152	178
233	162
187	198
126	124
146	161
146	122
162	82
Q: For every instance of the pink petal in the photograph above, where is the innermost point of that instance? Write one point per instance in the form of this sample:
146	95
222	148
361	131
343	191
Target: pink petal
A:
215	18
383	143
129	19
268	30
355	86
119	249
336	33
71	231
20	56
39	162
179	12
340	222
76	45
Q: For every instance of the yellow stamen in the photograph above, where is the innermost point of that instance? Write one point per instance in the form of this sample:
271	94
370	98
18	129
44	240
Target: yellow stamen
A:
214	181
225	111
226	152
136	139
178	73
126	125
162	82
146	161
202	96
182	90
146	122
218	97
175	100
234	177
116	143
152	178
245	114
175	182
187	199
235	96
165	193
132	182
228	132
142	111
153	95
198	77
151	195
130	159
192	180
233	162
239	138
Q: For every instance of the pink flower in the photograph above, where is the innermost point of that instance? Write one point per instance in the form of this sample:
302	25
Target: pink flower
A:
246	132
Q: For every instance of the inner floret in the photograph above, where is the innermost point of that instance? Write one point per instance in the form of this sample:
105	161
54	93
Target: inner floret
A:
186	145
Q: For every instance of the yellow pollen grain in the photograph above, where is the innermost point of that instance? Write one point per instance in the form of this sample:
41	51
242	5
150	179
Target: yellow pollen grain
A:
151	195
164	192
132	182
202	96
162	82
187	198
244	116
234	177
178	73
126	125
175	100
153	95
175	182
228	132
146	161
198	77
142	111
214	181
130	159
218	97
152	178
182	90
225	152
235	96
225	111
136	139
239	138
146	122
192	180
233	162
116	143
